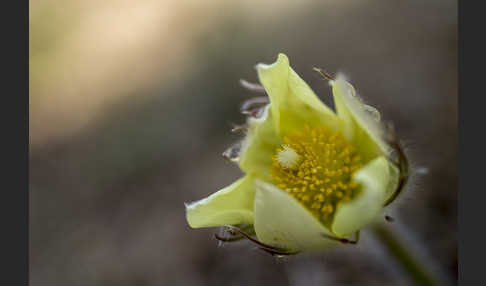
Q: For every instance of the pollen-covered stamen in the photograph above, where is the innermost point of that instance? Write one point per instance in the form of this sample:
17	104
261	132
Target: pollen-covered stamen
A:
315	166
287	157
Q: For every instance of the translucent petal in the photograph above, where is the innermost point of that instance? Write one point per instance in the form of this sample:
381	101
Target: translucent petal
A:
293	103
282	221
259	145
360	122
393	182
374	179
229	206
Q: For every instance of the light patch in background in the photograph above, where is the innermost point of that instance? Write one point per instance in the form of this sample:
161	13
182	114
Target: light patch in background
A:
83	54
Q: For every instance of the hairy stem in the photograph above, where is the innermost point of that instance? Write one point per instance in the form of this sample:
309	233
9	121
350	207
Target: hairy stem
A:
409	262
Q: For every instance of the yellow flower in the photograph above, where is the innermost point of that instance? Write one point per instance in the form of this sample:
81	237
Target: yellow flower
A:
311	173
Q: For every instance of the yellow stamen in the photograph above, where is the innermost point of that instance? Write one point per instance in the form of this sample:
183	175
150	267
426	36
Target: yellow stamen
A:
315	166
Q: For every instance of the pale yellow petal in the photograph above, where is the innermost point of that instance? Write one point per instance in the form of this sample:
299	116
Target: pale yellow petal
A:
293	103
260	143
229	206
360	122
282	221
374	180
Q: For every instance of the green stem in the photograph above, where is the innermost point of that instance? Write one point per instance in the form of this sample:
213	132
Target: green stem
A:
410	263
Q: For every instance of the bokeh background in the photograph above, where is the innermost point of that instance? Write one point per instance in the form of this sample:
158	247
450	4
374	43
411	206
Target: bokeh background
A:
131	106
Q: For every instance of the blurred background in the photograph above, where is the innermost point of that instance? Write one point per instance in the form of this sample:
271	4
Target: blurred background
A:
131	106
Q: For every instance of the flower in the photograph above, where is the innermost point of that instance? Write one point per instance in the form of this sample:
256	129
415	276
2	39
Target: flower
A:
311	173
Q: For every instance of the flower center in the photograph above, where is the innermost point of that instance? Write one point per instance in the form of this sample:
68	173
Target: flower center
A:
315	166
